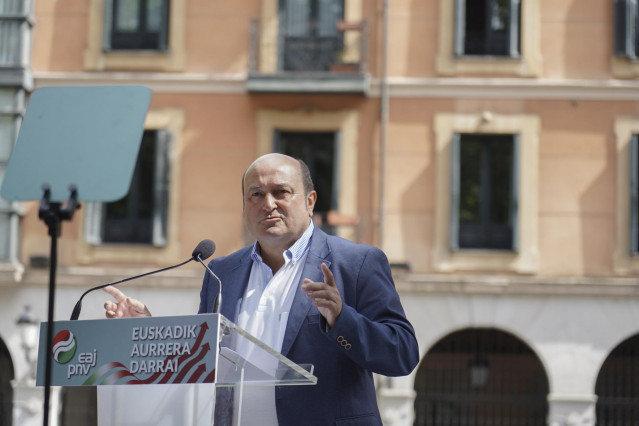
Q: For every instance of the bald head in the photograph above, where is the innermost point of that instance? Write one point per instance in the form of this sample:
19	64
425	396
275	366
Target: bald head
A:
276	160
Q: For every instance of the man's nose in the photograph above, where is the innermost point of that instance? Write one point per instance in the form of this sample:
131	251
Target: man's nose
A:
269	201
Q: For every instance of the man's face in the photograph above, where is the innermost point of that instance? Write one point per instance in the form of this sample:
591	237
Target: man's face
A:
276	209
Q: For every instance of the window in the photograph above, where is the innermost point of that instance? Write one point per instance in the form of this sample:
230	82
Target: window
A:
626	28
286	25
484	191
487	27
141	217
489	37
137	35
324	127
138	25
626	258
487	166
317	150
310	39
626	39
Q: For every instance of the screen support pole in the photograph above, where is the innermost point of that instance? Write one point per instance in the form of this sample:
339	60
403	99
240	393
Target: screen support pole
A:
53	214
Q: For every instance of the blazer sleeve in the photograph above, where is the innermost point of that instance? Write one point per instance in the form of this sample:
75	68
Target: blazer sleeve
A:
372	329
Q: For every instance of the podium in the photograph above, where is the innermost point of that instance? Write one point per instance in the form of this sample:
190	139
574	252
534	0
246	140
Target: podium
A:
186	370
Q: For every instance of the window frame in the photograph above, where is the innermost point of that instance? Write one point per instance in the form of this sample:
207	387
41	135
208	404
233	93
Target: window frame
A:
90	250
100	57
514	31
270	52
625	63
455	168
626	259
345	123
94	226
527	64
525	259
625	12
111	32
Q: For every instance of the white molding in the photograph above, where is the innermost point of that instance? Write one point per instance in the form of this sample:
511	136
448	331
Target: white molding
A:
399	87
509	88
158	82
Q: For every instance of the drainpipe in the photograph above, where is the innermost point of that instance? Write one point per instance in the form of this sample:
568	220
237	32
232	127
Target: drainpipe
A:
383	123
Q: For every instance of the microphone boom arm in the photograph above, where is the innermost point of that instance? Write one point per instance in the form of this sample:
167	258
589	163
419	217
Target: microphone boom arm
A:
78	306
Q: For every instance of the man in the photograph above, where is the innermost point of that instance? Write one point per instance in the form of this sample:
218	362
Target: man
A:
318	299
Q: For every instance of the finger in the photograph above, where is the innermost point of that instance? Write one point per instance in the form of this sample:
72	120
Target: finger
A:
136	304
321	294
117	294
328	275
325	303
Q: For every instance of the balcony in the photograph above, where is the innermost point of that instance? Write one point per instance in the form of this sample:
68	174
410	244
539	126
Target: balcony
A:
329	63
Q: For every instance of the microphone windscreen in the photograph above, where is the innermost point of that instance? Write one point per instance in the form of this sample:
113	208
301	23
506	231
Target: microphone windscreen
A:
205	249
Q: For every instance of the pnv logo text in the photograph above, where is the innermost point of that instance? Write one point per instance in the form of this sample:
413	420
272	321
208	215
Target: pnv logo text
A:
64	348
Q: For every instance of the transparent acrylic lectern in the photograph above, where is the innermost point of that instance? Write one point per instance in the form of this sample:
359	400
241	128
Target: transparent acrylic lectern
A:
247	371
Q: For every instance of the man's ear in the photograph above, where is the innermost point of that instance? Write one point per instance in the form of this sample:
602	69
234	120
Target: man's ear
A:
310	202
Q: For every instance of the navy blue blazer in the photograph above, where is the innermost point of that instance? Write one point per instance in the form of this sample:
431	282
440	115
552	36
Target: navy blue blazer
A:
371	335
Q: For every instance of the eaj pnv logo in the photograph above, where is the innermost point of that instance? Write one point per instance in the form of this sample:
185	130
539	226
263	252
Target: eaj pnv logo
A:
64	346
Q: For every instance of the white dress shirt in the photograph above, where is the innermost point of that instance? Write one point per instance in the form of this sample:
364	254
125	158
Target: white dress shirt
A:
264	313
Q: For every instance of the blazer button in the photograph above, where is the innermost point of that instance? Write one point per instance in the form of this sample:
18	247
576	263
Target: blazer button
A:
342	341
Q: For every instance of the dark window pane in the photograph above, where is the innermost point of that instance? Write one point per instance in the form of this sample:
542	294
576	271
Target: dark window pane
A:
486	175
127	16
139	24
487	27
501	180
129	220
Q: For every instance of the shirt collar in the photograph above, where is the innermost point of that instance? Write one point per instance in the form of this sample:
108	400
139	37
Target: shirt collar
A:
294	252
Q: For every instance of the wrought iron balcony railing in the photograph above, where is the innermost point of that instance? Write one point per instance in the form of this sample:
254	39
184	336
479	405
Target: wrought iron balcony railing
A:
339	58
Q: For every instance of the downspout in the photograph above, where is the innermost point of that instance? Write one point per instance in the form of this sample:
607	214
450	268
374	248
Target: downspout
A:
383	123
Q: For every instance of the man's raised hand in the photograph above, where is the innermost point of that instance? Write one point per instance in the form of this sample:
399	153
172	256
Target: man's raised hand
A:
124	306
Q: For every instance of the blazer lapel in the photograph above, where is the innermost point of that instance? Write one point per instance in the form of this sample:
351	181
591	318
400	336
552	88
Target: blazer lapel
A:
234	283
317	255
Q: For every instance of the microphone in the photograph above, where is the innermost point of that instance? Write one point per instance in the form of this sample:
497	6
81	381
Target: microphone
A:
210	245
203	250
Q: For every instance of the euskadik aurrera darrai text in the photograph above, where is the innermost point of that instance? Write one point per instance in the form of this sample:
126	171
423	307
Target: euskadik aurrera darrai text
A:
157	349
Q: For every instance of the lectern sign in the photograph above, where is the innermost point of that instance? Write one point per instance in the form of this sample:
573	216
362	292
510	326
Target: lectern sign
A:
132	351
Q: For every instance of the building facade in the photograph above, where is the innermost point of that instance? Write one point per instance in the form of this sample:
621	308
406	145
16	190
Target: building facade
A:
489	147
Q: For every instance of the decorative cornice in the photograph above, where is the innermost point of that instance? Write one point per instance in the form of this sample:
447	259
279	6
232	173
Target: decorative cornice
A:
398	87
510	88
515	285
157	82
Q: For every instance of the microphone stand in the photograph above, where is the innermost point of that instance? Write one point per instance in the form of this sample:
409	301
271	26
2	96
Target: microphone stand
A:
53	214
217	303
78	306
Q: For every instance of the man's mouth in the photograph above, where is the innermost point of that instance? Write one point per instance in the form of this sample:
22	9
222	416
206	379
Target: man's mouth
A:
271	219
